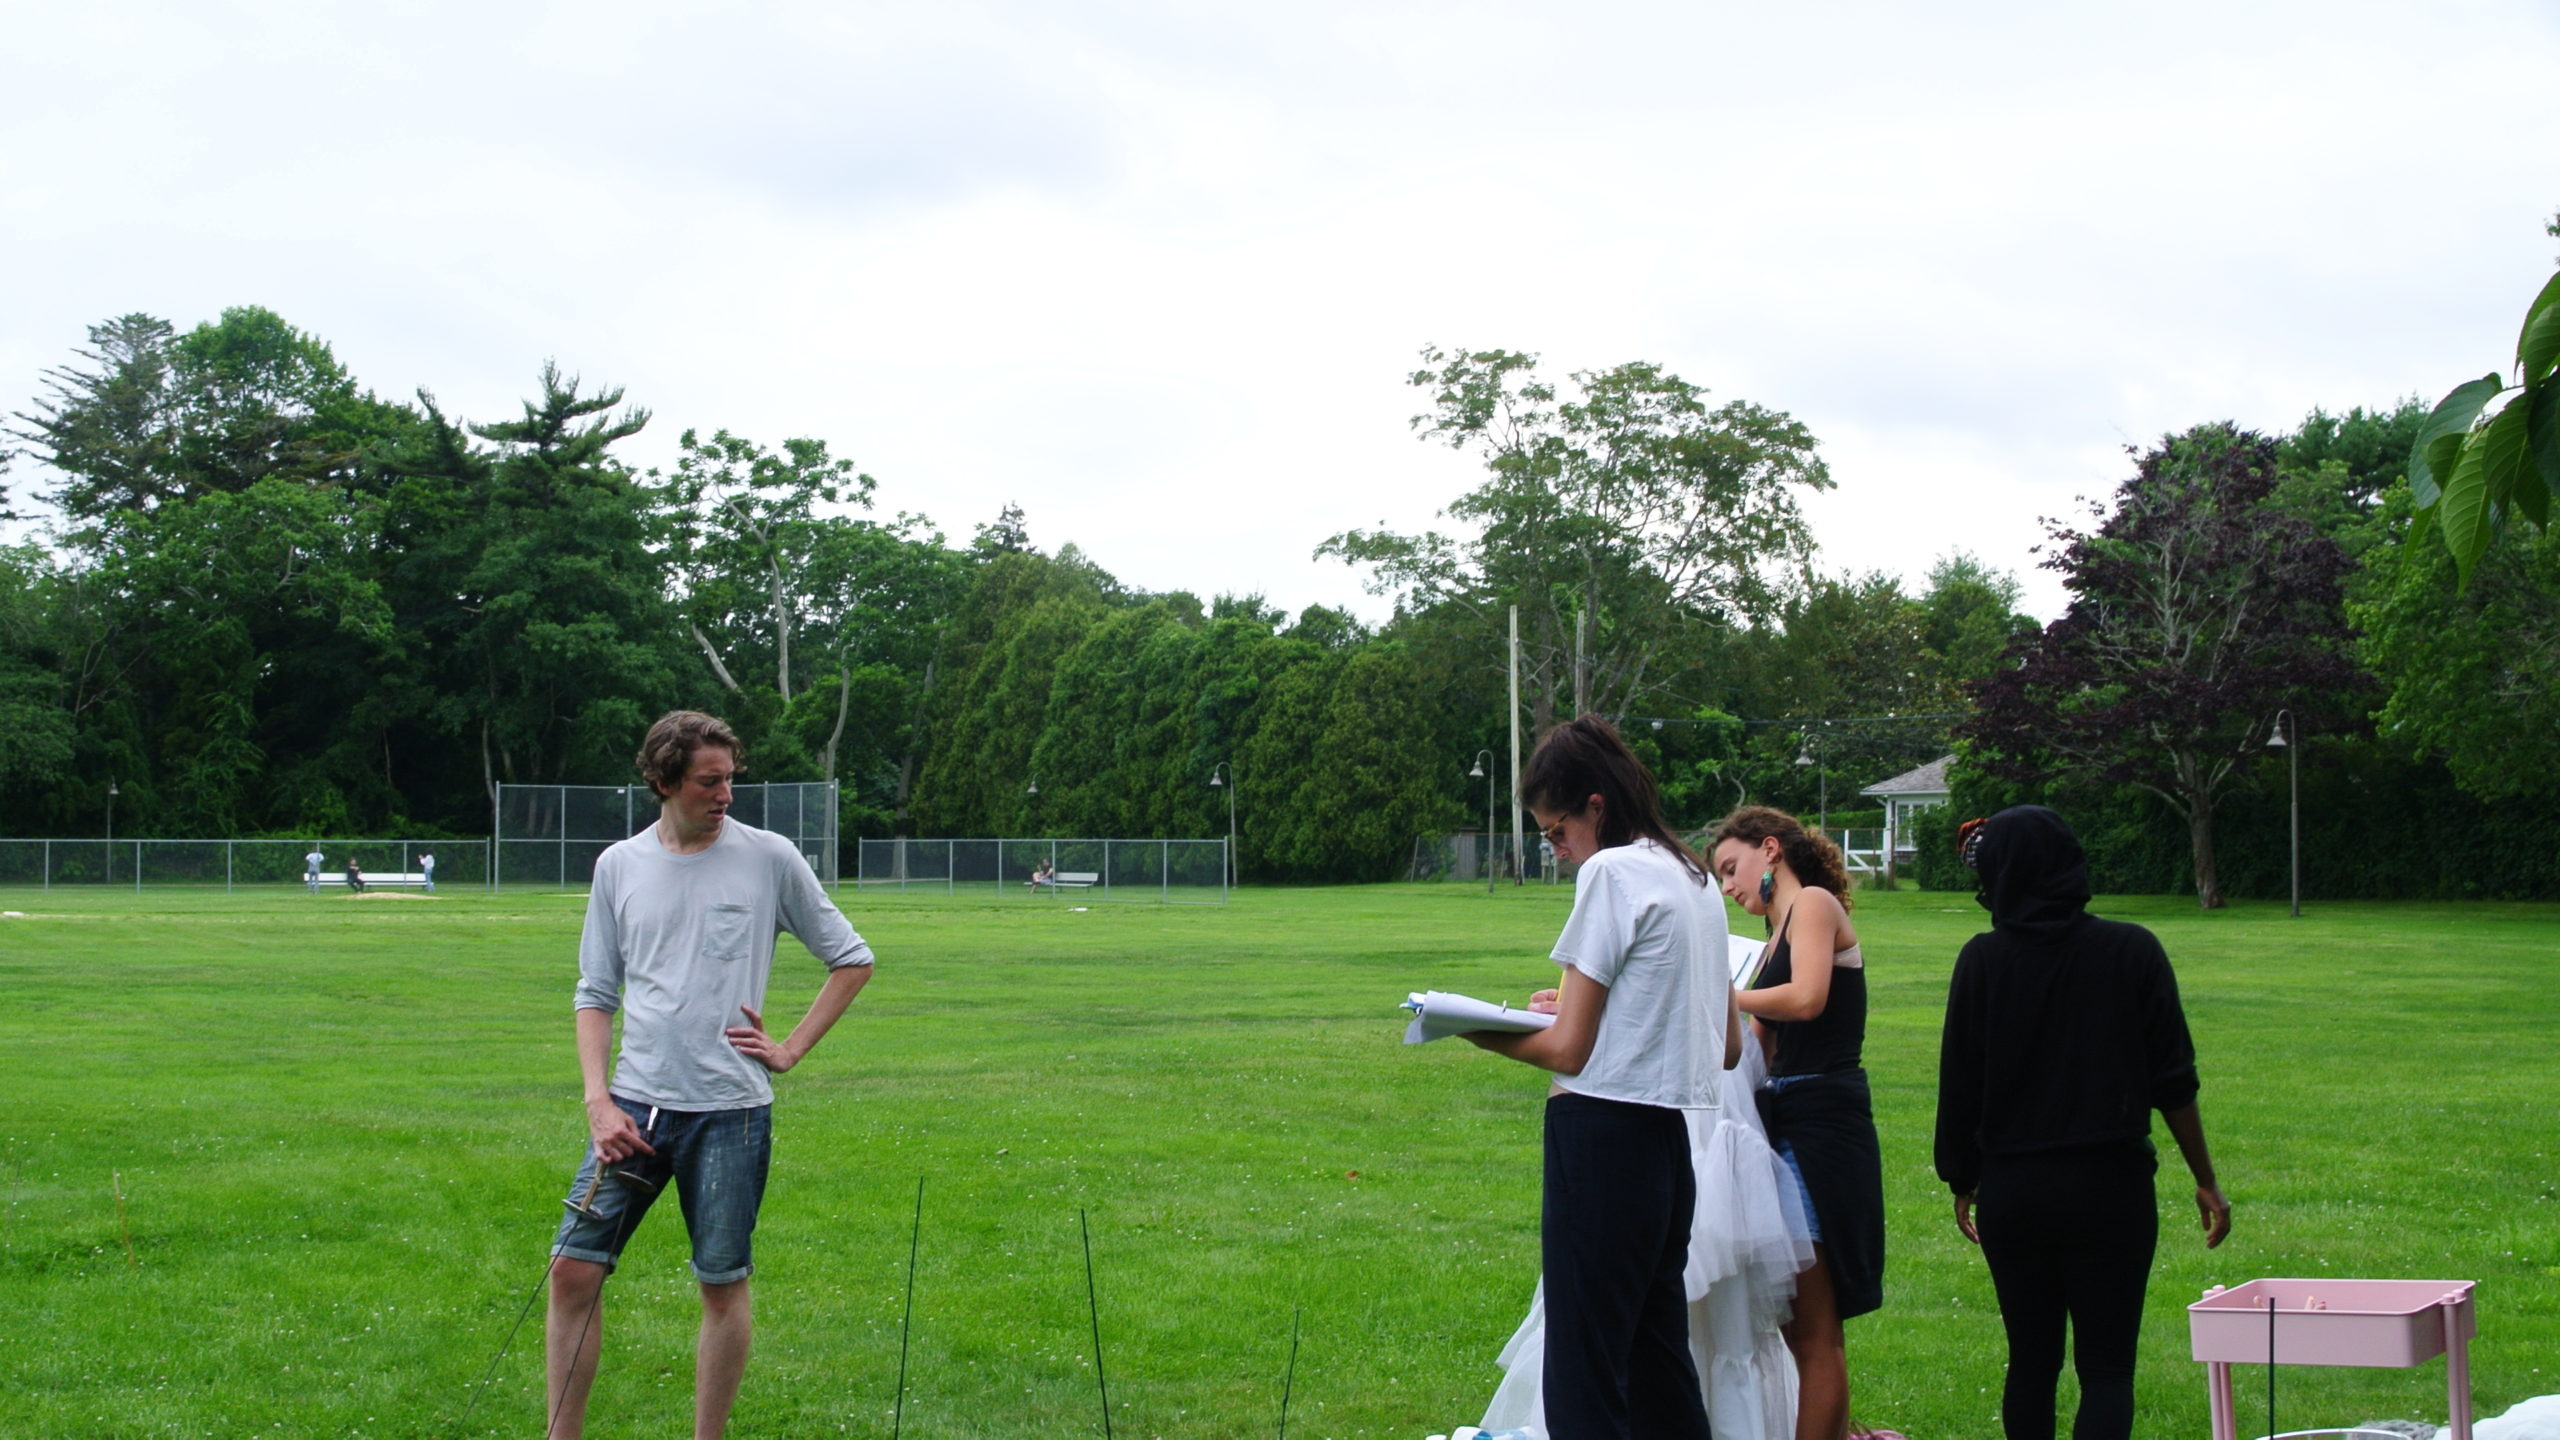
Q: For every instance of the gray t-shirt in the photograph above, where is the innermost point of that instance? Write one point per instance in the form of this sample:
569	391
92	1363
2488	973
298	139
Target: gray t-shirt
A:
678	942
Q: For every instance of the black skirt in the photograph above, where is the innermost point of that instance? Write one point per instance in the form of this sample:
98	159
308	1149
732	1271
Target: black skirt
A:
1831	1122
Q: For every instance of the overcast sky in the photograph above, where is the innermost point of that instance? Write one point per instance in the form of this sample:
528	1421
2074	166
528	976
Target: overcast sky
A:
1156	272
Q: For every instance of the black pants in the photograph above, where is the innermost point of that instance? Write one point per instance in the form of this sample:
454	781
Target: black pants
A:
2069	1236
1615	1236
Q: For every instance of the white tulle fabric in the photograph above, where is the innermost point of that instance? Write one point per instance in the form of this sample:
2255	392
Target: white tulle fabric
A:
1746	1244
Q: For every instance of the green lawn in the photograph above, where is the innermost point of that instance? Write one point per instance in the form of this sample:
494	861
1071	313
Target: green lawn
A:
343	1125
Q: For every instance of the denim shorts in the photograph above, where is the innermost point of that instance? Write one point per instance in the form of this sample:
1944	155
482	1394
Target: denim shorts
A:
717	1160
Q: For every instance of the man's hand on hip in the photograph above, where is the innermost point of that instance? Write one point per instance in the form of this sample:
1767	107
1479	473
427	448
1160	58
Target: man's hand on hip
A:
751	1041
616	1138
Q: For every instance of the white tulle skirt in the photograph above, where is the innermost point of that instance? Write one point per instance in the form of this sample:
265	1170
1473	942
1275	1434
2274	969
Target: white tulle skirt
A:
1747	1242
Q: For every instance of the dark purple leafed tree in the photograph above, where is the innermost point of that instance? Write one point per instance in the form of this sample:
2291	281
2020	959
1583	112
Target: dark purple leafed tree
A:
2198	610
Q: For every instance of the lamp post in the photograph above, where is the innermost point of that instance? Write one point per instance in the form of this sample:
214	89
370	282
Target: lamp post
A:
1483	759
1822	774
111	829
1219	775
2276	740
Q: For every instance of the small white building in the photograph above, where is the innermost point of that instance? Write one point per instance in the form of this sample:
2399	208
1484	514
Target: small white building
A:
1906	795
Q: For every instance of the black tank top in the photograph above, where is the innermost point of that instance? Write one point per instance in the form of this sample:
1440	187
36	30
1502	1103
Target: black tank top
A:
1830	1041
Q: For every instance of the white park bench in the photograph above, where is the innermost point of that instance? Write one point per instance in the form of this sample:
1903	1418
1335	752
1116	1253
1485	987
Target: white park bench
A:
1070	880
387	877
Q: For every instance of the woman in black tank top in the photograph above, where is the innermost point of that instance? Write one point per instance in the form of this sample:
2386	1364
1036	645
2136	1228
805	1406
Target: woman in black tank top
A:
1813	1018
1831	1040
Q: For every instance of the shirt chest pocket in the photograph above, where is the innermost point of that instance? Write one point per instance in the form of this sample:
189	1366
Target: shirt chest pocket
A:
726	930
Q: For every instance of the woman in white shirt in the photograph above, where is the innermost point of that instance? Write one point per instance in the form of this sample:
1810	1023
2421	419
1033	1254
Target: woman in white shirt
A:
1645	1027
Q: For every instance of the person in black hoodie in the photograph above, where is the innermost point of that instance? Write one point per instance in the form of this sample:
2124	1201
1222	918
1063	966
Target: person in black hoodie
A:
2063	1034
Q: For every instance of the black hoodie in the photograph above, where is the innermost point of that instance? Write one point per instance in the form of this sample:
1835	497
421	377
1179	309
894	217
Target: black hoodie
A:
2063	1030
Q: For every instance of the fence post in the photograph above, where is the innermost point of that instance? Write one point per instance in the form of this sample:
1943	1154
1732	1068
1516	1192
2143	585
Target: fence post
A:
137	867
48	867
950	862
229	849
1164	869
1226	864
1106	868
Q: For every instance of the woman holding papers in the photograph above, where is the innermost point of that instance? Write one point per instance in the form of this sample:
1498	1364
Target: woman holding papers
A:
1810	1003
1747	1242
1645	1027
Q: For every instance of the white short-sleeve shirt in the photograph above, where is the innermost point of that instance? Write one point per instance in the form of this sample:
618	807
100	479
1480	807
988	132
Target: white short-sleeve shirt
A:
1645	926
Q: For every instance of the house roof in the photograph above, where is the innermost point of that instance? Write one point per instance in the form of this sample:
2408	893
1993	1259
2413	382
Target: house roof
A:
1929	779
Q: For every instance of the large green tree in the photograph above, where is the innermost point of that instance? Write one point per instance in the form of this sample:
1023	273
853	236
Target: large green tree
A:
2199	608
566	626
2471	672
1626	517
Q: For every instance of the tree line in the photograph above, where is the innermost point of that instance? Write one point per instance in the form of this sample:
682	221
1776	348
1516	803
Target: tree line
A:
264	601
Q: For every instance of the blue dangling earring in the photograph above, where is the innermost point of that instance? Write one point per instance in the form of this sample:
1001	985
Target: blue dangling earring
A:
1768	885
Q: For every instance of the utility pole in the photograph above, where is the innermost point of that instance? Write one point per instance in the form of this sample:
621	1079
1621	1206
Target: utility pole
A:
1518	838
1581	663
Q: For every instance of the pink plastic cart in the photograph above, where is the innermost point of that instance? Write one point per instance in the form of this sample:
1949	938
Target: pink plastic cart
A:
2394	1323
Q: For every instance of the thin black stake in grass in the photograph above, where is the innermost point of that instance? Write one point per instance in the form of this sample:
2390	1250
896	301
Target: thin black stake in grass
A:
1289	1377
1093	1307
898	1417
2271	1362
504	1345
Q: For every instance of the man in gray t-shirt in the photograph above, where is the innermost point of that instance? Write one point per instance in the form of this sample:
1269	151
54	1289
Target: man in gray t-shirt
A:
679	940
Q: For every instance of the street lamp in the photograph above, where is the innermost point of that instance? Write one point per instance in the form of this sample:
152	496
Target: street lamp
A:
1804	756
1483	759
1219	774
2293	764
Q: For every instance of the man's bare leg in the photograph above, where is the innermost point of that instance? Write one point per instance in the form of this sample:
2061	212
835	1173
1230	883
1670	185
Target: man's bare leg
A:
720	1360
577	1288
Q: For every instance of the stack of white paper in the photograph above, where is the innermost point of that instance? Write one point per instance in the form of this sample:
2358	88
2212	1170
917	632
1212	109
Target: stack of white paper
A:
1438	1012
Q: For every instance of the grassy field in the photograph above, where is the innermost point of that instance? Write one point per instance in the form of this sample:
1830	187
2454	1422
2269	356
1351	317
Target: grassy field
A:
342	1126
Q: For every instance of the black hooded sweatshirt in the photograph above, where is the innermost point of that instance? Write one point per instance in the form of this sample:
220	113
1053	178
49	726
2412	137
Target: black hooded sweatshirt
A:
2063	1030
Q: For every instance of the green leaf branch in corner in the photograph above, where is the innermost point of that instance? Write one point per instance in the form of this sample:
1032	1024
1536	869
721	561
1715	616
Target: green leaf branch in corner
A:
2472	467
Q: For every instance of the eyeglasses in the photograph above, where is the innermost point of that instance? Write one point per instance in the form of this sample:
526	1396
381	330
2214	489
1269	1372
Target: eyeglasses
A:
1969	842
1554	833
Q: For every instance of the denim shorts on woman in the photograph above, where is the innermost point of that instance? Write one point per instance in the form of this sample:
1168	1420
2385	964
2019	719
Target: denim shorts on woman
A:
717	1160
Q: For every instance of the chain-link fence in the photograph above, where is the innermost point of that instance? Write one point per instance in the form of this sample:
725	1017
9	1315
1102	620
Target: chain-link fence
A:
1469	857
552	834
1178	872
233	864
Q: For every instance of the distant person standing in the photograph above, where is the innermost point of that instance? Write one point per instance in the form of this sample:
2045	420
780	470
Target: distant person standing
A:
427	872
355	877
679	938
2063	1034
311	867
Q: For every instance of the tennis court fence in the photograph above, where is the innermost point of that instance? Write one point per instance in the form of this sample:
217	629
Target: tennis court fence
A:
233	864
552	834
1172	872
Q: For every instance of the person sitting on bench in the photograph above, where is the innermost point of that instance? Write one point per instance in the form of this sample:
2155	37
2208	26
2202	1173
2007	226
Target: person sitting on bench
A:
1044	875
355	877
